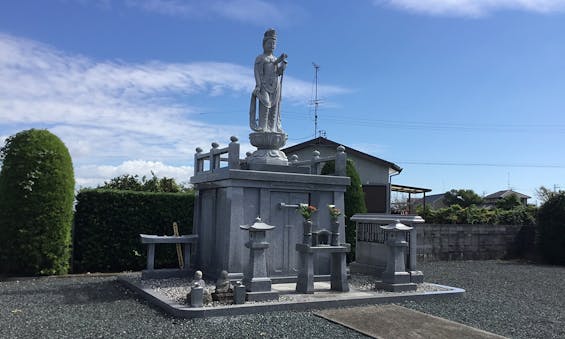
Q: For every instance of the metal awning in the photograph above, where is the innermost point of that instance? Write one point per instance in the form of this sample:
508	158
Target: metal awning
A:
408	189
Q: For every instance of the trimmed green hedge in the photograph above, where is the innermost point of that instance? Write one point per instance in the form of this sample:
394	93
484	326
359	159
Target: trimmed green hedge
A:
36	204
455	214
108	224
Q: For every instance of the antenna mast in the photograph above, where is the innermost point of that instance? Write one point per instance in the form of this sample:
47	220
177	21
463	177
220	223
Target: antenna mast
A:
316	101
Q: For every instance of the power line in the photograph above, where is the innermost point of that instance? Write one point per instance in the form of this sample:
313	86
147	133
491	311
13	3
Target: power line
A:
478	164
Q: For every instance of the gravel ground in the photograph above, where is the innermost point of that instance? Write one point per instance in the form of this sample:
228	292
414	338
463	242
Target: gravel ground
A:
512	299
507	298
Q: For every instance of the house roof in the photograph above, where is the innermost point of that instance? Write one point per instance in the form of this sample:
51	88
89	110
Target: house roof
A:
505	193
321	141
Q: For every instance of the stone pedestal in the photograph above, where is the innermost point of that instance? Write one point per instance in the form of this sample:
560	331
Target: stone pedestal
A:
231	192
268	149
227	198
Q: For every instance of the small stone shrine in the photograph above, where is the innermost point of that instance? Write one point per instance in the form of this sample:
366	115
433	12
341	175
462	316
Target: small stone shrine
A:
395	278
231	191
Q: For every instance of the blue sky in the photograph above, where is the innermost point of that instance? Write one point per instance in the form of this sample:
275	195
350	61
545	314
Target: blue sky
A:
461	94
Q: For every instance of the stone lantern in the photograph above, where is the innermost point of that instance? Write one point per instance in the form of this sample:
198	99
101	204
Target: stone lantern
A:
255	278
395	278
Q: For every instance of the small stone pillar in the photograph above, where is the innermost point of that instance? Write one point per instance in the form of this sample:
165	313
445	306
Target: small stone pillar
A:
255	278
395	278
239	293
196	296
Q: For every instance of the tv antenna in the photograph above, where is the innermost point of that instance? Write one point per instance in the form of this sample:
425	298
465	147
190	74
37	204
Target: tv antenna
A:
316	101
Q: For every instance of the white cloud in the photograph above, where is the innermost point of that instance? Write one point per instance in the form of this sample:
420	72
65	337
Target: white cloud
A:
94	175
250	11
110	111
474	8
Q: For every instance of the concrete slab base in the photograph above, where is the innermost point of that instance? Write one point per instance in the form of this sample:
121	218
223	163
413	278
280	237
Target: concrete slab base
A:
392	321
289	300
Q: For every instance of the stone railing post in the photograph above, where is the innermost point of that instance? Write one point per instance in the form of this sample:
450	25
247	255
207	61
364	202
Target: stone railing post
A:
340	162
315	163
233	153
214	156
198	163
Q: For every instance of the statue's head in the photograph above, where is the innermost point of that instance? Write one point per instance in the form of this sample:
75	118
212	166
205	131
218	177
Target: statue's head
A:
269	40
224	274
198	275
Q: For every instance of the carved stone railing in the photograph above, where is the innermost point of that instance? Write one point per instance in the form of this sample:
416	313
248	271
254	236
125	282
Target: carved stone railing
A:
217	156
314	163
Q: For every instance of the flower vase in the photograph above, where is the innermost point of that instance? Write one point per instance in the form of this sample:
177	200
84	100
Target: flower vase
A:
307	226
335	233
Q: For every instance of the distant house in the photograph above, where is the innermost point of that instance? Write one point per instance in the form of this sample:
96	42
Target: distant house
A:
374	172
491	199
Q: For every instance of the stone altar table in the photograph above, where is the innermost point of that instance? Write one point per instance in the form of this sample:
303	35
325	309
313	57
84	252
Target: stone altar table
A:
338	275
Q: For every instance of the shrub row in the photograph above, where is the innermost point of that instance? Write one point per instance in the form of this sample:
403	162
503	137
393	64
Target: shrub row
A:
108	223
455	214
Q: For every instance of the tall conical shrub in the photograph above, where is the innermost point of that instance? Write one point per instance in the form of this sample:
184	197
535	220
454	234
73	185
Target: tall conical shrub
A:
36	204
354	199
551	229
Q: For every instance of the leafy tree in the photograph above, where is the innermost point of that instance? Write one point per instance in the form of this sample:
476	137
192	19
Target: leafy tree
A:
551	227
544	194
36	204
124	182
508	202
462	197
354	199
129	182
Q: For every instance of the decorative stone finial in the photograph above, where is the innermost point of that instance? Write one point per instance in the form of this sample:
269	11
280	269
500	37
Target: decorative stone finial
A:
198	150
340	149
233	138
215	145
294	158
316	153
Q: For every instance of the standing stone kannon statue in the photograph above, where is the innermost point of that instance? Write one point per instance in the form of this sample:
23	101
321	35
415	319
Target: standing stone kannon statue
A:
268	134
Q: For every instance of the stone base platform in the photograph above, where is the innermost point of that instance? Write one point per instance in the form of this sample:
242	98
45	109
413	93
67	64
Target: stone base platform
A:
262	296
323	298
379	285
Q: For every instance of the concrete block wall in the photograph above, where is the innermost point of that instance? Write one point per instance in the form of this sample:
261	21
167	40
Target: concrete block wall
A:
473	242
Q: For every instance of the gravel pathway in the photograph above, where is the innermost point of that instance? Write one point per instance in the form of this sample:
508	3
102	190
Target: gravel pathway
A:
507	298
